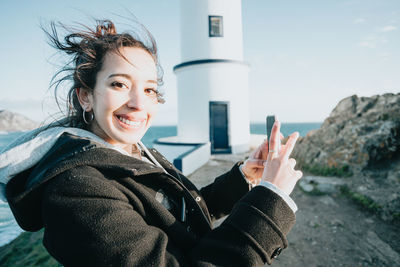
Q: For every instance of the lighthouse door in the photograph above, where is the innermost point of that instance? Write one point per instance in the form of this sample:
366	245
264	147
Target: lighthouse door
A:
219	136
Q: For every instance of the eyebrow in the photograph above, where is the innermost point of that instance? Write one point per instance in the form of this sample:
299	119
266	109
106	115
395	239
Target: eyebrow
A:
129	77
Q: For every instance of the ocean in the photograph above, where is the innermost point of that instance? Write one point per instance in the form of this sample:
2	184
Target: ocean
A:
8	226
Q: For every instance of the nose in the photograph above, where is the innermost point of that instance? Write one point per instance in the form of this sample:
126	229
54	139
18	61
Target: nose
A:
136	99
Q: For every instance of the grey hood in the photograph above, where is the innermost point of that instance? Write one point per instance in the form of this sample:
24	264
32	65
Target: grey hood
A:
27	150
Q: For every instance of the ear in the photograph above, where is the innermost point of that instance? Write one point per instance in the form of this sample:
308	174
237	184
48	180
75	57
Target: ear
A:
85	98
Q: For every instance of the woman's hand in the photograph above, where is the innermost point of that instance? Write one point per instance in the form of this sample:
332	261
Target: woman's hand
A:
279	168
253	167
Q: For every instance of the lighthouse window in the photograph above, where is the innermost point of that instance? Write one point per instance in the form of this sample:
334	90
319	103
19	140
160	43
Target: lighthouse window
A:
215	26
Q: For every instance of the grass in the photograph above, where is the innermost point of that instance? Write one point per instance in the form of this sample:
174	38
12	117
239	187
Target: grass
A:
26	250
362	201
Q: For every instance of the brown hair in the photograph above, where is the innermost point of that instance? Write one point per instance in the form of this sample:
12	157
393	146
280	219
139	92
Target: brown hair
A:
88	49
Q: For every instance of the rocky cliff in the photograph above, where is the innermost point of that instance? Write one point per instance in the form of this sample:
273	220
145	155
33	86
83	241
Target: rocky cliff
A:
12	122
360	133
360	140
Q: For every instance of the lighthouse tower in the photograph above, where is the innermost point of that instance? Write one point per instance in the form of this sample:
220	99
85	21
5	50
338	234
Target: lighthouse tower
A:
213	95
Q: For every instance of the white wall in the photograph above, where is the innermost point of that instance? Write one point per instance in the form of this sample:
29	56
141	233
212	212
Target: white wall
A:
195	41
199	84
189	162
197	158
215	81
193	97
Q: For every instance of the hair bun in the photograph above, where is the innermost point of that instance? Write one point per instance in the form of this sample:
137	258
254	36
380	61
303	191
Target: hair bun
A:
105	27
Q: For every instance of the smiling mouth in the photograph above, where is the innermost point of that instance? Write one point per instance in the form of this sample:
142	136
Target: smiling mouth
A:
135	124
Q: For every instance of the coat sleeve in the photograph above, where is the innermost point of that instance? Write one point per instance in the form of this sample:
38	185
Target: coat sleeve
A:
225	192
253	234
90	223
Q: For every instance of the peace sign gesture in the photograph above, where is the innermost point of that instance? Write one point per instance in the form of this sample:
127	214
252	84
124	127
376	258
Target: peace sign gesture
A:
279	168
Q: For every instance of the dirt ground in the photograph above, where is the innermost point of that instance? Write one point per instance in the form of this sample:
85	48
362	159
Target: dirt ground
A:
330	229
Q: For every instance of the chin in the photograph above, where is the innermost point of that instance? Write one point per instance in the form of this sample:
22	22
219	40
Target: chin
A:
127	139
127	136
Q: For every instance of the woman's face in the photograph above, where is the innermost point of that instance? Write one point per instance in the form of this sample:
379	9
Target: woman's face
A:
124	100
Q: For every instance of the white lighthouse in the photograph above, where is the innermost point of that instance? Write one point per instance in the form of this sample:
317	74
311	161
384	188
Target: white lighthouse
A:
213	95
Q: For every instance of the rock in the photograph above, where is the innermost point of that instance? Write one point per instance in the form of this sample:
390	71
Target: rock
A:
306	187
360	133
369	220
361	139
326	188
12	122
376	245
336	222
319	185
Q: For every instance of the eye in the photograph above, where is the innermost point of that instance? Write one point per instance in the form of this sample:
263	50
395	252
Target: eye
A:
151	91
120	85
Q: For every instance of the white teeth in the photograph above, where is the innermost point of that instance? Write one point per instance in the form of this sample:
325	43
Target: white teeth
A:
131	123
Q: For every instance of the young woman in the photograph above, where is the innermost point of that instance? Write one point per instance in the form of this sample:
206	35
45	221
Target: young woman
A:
104	199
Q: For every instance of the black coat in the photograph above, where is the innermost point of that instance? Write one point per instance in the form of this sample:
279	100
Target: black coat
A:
99	208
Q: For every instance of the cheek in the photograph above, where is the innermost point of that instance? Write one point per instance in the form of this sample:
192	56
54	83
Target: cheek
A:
109	102
153	110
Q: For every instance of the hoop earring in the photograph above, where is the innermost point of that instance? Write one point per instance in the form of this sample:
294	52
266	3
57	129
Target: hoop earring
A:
84	117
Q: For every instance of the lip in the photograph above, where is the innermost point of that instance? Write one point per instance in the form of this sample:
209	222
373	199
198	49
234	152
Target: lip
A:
130	117
141	121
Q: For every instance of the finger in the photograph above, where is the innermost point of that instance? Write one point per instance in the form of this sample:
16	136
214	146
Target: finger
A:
274	141
255	163
298	174
255	153
264	150
292	162
260	151
290	144
280	140
281	136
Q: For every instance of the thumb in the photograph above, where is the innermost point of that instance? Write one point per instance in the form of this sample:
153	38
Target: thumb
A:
254	163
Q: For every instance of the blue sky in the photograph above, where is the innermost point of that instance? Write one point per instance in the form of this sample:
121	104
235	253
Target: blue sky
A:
305	56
